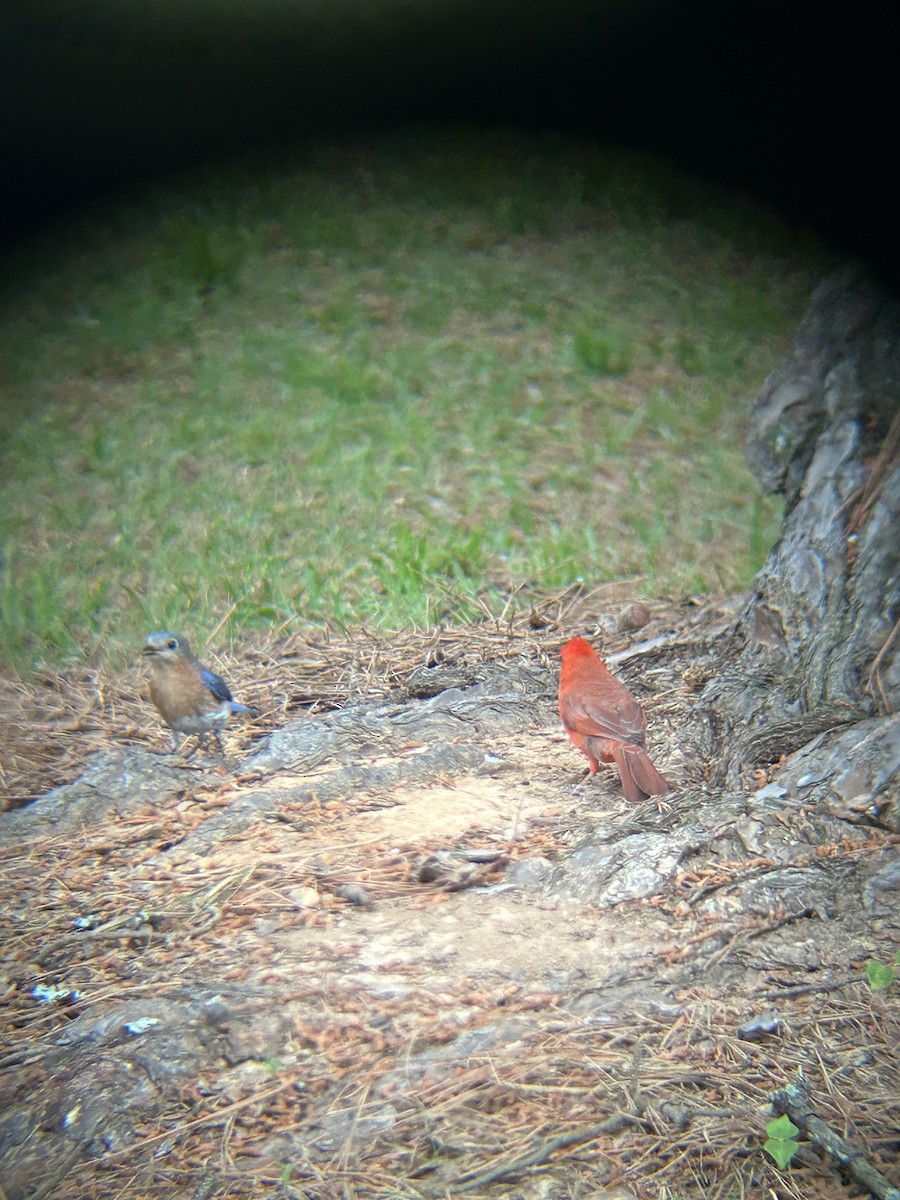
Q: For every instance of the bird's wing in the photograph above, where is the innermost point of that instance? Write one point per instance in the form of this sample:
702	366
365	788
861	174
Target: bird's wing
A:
216	685
613	716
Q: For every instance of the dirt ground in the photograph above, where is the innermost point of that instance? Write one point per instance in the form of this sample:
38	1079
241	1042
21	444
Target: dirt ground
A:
430	960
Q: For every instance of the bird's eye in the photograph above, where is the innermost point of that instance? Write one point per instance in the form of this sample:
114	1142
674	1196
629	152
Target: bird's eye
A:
171	644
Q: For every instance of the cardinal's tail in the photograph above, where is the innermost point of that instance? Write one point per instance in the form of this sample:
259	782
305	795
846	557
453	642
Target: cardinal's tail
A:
640	778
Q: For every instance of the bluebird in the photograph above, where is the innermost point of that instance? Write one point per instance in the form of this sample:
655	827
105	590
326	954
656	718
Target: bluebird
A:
190	699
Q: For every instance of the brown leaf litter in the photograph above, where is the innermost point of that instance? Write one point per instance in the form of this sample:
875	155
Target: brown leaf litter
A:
392	1032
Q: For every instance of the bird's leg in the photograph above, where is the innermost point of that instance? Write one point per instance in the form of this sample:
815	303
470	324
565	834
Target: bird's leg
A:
193	750
220	746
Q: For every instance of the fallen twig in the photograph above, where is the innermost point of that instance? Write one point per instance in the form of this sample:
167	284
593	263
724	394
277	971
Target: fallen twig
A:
640	648
794	1101
469	1181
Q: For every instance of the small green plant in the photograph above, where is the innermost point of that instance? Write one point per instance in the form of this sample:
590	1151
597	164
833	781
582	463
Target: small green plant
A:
881	975
781	1144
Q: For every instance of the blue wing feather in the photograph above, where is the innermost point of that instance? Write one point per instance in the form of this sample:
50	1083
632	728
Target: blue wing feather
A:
216	685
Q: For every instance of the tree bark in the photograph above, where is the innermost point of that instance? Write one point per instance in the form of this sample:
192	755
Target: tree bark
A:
818	638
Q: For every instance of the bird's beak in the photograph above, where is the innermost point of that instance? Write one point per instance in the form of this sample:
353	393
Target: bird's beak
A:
148	650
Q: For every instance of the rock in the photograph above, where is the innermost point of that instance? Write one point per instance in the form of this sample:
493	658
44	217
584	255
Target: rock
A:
635	616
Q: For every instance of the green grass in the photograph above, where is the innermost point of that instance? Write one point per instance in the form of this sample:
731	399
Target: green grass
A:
371	387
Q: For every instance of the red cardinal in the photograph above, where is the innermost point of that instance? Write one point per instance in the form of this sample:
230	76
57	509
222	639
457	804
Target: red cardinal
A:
605	721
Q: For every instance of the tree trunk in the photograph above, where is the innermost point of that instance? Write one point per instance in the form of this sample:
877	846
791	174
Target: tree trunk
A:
818	638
